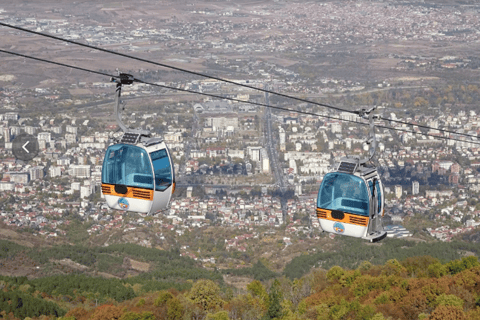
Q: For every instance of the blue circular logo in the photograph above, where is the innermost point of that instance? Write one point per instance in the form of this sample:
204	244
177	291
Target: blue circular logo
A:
338	227
123	203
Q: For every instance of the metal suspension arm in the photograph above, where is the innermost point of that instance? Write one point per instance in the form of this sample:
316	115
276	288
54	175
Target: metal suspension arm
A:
123	79
372	141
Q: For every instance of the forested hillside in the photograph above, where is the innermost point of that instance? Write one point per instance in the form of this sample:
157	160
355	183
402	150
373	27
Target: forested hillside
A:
414	288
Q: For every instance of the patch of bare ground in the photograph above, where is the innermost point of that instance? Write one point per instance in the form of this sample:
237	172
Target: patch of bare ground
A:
23	239
79	92
71	264
238	282
281	259
107	275
138	266
20	266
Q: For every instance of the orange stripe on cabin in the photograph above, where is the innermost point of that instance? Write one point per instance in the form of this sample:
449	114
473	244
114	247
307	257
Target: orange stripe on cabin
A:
348	217
132	192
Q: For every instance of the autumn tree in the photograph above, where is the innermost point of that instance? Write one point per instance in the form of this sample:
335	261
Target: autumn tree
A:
137	316
175	309
107	312
206	294
447	313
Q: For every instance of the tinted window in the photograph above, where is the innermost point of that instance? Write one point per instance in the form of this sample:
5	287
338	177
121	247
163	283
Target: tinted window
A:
379	193
127	165
162	169
344	192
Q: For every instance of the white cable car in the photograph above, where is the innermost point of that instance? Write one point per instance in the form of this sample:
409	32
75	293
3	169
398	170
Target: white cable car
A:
137	172
350	199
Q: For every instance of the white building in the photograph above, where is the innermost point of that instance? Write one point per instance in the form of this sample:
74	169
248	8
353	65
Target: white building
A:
189	191
57	130
30	130
265	161
55	172
36	173
46	136
63	162
398	191
71	138
75	186
233	153
221	123
85	191
254	153
6	135
415	187
336	127
71	129
80	171
173	137
18	177
7	186
9	116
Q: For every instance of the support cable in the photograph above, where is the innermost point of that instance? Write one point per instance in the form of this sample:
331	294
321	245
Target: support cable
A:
221	79
235	100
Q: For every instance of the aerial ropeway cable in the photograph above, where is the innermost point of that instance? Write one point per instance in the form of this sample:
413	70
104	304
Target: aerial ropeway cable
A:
226	80
262	104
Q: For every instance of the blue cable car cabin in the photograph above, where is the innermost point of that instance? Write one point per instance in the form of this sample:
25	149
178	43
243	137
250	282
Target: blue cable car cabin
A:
138	177
352	204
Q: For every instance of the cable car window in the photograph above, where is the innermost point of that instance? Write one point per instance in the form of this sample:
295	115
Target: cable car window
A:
162	168
127	165
344	192
379	194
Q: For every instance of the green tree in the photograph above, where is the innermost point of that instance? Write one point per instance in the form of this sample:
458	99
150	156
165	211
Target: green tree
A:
437	270
449	300
275	299
335	273
257	289
163	298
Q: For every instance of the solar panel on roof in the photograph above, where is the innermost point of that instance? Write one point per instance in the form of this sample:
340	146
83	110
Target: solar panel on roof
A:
348	167
129	137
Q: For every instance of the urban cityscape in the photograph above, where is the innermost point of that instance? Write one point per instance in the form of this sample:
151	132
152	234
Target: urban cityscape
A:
268	106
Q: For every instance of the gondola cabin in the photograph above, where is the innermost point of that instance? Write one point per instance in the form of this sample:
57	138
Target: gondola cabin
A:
350	201
138	174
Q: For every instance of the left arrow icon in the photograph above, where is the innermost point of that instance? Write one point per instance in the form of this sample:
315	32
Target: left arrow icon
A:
24	147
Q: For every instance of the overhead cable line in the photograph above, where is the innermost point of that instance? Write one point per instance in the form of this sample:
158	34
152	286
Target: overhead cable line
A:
175	68
307	113
220	79
233	99
180	89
